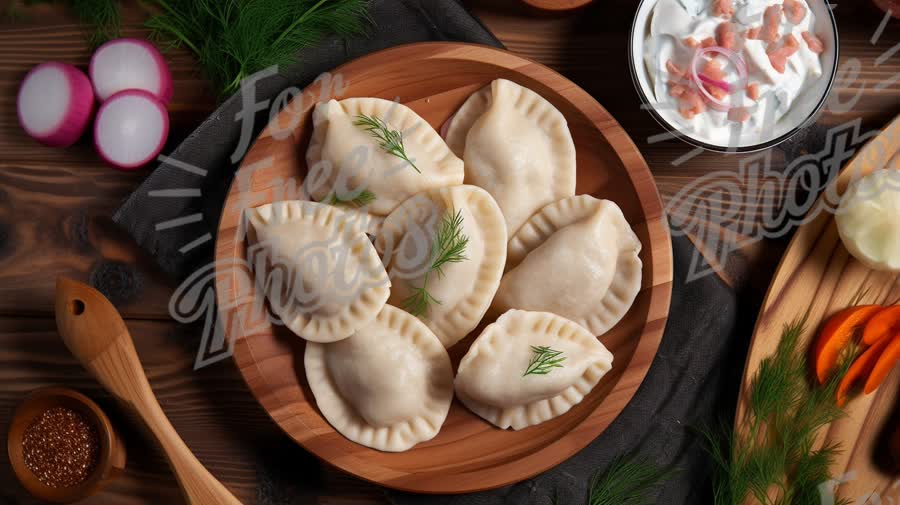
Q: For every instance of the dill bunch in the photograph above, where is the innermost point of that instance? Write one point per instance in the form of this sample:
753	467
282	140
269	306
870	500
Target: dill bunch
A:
628	480
233	39
101	17
772	456
545	359
449	246
362	199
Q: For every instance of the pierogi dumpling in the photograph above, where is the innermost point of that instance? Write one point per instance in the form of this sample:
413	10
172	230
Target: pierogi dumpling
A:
388	386
344	157
462	291
515	145
578	258
317	267
493	382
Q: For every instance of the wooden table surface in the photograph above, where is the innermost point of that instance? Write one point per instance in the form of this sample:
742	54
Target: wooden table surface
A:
55	208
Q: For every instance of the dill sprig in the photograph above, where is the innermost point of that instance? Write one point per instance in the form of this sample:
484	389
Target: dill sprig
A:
364	198
390	141
628	480
233	39
545	359
449	246
771	455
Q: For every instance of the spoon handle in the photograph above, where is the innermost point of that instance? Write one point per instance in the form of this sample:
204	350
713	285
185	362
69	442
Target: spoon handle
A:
96	335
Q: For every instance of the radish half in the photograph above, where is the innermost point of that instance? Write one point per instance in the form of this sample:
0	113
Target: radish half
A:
131	129
55	103
130	64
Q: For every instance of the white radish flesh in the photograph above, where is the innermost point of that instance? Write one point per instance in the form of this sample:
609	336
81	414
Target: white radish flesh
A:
123	64
131	129
55	103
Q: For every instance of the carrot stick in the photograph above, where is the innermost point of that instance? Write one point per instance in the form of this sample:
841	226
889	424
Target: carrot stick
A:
861	369
883	324
884	366
835	334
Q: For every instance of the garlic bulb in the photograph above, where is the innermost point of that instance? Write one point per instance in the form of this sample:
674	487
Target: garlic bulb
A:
868	220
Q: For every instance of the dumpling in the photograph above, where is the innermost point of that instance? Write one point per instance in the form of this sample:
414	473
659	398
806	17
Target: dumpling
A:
460	292
517	146
578	258
317	267
389	386
346	160
503	380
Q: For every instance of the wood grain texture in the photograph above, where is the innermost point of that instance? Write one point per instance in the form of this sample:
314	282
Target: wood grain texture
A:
96	335
468	454
817	273
54	219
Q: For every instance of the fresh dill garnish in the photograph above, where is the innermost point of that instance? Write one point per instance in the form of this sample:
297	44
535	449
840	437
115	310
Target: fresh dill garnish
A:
449	246
233	39
771	455
628	480
364	198
545	359
390	141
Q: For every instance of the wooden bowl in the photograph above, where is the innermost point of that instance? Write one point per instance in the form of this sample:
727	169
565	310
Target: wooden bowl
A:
468	454
112	450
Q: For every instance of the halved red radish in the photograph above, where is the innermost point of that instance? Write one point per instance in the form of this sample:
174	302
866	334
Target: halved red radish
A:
130	64
131	129
55	103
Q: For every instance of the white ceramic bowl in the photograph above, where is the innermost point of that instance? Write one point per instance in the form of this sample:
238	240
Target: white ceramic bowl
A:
802	113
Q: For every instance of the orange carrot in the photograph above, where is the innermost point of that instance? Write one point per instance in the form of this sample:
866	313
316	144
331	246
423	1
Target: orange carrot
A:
883	324
885	364
861	369
836	334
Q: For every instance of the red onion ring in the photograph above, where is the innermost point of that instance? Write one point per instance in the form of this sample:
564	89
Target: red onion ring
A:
739	65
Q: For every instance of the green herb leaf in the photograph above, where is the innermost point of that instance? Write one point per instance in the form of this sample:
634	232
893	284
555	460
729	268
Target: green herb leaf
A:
233	39
101	17
364	198
390	141
449	246
544	361
772	452
627	481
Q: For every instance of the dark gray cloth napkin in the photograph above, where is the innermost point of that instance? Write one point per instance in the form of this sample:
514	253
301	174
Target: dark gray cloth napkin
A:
693	375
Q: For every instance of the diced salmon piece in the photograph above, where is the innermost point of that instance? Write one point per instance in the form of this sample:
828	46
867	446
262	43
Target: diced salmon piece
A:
691	42
753	91
723	8
794	11
778	59
674	69
726	35
712	70
815	44
790	45
690	104
739	114
717	92
708	42
771	21
753	32
676	89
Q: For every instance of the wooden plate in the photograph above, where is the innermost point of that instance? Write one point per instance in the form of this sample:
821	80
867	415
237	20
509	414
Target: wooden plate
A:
469	454
818	273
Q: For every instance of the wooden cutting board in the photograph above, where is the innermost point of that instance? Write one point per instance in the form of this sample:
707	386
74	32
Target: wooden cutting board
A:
468	454
817	273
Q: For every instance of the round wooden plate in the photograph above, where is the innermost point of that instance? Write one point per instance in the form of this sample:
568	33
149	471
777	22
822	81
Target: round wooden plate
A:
468	454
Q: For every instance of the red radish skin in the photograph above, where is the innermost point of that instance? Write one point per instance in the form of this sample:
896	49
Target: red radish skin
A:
122	120
123	64
55	103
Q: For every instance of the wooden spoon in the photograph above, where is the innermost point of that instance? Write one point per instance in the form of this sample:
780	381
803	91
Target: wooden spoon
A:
96	335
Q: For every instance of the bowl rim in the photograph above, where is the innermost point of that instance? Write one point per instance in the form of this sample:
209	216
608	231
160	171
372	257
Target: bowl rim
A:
42	399
810	119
